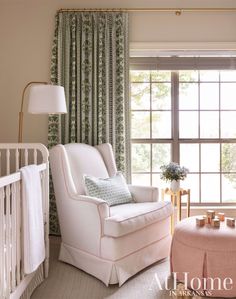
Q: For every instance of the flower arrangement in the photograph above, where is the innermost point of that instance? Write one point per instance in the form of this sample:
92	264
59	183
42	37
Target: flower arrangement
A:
173	171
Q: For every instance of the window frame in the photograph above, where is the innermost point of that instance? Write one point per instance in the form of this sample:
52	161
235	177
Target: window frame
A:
174	64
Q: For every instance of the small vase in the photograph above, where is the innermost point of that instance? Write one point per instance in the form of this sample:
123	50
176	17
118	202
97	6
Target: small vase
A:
175	186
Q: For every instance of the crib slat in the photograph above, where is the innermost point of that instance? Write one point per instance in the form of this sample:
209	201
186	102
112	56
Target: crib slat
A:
8	249
17	157
0	163
13	237
26	154
45	192
8	160
18	233
2	242
22	274
44	215
35	156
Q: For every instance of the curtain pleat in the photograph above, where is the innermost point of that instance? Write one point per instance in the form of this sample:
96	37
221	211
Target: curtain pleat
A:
90	59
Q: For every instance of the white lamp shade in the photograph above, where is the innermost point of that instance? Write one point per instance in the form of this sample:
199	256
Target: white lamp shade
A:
47	99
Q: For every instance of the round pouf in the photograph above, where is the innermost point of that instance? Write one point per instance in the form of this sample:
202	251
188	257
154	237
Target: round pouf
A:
204	258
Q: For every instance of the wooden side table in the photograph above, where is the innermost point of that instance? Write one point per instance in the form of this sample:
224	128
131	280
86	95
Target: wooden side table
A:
176	199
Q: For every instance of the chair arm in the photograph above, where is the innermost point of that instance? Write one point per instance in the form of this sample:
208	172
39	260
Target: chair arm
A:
92	202
144	193
82	220
90	199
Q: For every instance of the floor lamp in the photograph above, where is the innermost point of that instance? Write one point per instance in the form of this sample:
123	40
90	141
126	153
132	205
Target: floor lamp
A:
44	98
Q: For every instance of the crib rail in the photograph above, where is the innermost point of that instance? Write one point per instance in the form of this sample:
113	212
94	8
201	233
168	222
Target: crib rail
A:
13	280
11	178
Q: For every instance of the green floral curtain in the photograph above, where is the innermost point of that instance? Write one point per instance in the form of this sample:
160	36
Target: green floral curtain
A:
90	59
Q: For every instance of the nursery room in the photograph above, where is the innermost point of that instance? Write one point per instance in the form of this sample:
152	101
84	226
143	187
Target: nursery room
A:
117	149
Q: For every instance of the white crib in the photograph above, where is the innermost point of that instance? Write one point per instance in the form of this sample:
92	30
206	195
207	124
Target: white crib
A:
14	284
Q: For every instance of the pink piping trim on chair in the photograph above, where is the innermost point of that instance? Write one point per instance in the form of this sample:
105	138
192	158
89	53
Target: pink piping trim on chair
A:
77	198
101	230
66	187
140	249
137	230
117	260
111	220
111	161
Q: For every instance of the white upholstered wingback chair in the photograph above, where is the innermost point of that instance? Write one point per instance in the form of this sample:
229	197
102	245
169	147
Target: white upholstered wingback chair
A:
111	243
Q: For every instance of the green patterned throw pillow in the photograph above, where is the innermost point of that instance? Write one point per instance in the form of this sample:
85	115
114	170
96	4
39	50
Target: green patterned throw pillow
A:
113	190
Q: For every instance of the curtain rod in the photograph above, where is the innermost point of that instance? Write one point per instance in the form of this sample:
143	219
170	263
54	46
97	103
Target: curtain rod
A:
177	11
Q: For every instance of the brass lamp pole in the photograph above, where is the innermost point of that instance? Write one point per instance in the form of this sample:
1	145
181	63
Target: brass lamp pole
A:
21	113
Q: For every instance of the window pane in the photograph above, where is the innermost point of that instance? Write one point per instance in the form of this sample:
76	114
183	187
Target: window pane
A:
139	76
209	75
228	128
161	76
140	120
161	124
210	187
188	96
228	75
210	157
157	182
209	124
209	96
187	76
161	96
188	124
141	157
228	96
140	96
229	188
189	156
192	183
141	179
161	154
228	157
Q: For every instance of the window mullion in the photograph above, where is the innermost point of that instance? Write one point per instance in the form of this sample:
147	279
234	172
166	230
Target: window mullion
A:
151	168
175	115
221	193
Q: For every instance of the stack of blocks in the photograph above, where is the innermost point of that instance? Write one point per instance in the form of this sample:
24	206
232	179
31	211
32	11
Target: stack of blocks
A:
213	220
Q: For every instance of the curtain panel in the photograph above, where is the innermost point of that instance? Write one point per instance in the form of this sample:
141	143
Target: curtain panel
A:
90	59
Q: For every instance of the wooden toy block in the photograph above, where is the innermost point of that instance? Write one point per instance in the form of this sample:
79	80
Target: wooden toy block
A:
211	214
231	222
221	216
200	221
215	222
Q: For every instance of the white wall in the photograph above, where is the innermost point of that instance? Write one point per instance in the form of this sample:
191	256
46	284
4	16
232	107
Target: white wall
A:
26	31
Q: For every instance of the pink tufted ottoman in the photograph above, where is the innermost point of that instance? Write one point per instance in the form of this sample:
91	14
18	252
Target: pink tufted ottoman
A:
201	254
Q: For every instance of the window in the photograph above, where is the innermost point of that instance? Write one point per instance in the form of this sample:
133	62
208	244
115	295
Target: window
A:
187	116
